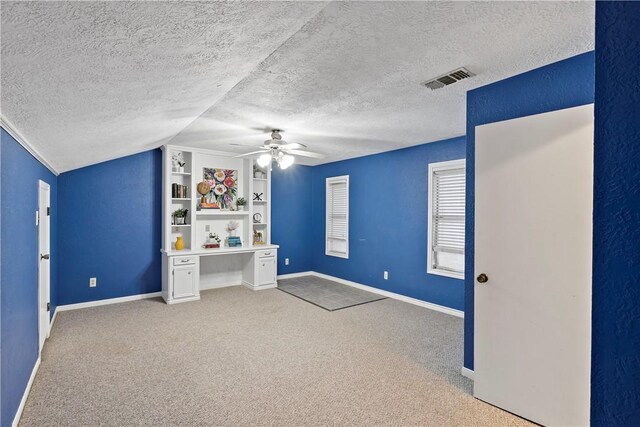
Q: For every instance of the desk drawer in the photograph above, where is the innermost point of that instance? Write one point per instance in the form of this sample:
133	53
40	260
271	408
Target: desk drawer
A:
184	260
266	253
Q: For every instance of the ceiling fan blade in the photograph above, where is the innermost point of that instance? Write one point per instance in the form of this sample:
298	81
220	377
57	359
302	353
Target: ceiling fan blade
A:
303	153
251	153
292	146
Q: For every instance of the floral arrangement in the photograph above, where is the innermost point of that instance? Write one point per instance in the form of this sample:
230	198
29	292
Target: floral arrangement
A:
177	159
224	186
232	226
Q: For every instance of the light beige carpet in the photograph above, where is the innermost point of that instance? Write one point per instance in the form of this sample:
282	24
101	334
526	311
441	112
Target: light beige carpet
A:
240	357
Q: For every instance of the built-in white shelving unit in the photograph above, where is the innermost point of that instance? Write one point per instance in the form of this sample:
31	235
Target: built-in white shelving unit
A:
186	271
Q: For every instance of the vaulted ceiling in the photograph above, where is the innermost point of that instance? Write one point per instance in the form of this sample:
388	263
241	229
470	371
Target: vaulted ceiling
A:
86	82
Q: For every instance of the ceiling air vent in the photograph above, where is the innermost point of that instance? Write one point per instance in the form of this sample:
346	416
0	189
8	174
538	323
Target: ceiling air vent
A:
448	78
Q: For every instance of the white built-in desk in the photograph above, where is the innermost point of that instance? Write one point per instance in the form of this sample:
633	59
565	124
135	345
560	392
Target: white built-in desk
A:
188	271
185	273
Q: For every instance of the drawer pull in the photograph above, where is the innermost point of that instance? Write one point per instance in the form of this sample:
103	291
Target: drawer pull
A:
267	253
185	260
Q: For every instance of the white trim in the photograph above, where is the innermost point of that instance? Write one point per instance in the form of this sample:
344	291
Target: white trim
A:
97	303
11	130
53	319
328	182
467	373
294	275
25	395
433	167
259	288
404	298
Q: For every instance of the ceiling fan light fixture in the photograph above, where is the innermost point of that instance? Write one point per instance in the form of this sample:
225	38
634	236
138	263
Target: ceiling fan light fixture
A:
286	161
264	160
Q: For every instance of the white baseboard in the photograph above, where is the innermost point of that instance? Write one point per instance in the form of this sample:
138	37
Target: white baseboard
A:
258	288
53	319
414	301
25	395
107	301
294	275
466	372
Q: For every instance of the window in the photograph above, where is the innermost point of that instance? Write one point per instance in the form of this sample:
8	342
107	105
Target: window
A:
337	220
446	218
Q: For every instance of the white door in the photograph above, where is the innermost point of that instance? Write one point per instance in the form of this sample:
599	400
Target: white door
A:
533	234
44	260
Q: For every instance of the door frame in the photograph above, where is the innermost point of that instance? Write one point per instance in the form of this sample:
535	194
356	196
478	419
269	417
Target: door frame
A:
44	247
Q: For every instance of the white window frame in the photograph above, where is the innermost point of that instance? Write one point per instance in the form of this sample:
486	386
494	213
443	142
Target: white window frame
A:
329	181
435	167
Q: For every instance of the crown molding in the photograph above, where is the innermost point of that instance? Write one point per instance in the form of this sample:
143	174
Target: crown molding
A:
11	130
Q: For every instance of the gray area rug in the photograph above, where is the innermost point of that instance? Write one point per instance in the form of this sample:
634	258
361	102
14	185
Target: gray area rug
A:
325	293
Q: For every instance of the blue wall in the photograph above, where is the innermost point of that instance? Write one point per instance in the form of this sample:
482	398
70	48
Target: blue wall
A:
615	375
291	211
110	228
388	222
564	84
19	268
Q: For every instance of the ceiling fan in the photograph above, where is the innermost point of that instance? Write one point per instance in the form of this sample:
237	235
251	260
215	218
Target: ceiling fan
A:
280	151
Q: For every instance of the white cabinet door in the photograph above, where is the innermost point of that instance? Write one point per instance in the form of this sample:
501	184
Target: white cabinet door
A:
533	228
266	271
184	282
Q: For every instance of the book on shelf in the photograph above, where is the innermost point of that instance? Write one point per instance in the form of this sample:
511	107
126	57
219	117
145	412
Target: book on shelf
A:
233	241
179	191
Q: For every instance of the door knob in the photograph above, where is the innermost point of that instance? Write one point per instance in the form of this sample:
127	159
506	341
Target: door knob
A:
482	278
45	256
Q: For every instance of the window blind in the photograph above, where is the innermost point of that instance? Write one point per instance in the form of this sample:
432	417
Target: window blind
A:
447	218
337	220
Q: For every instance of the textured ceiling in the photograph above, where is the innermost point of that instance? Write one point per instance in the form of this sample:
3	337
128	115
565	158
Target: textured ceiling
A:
86	82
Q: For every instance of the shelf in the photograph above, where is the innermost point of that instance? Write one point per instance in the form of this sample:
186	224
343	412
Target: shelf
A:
177	199
217	212
181	225
260	224
260	201
181	173
260	179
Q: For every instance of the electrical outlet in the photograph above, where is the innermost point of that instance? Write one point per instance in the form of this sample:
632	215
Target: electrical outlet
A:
286	261
93	282
386	275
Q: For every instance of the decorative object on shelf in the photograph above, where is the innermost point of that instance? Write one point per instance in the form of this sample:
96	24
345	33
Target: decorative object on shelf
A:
177	161
213	241
234	241
231	228
258	239
257	218
241	203
179	243
203	189
223	186
257	197
180	216
259	172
